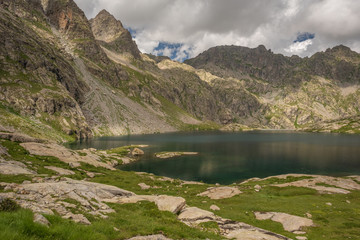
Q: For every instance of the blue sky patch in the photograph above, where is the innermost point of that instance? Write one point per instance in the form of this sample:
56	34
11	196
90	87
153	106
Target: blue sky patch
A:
301	37
172	50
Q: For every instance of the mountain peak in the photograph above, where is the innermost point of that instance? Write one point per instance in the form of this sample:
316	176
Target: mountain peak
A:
106	27
112	35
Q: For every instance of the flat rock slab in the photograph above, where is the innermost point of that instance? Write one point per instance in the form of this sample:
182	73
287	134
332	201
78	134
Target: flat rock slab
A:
290	223
220	192
165	155
47	197
144	186
60	171
14	168
251	234
197	215
163	202
150	237
336	184
64	154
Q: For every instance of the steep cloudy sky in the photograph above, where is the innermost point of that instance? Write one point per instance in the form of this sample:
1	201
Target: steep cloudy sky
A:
185	28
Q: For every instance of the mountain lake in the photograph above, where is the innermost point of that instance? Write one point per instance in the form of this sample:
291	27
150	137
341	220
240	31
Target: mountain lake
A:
226	158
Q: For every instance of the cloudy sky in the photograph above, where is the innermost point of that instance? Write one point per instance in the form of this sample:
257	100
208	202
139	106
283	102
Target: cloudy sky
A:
184	28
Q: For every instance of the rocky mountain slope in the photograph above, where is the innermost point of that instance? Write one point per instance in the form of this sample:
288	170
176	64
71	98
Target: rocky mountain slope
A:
286	92
63	76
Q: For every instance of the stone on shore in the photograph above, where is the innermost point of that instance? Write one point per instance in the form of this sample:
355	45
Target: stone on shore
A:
220	192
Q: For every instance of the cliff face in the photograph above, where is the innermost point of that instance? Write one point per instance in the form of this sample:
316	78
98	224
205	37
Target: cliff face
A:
64	77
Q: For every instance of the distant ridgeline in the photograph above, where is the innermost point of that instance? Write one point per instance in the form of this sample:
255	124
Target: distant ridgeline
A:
64	77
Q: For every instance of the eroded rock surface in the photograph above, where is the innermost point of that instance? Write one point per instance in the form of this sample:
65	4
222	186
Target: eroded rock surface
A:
51	194
290	223
150	237
220	192
60	171
335	184
192	216
163	202
14	168
66	155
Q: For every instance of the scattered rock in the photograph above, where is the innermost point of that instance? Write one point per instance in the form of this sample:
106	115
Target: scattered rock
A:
137	152
38	218
191	183
170	203
221	192
74	164
143	186
196	215
329	203
252	234
90	174
257	188
308	215
165	155
299	232
116	229
348	201
341	185
78	218
301	238
290	222
214	208
150	237
3	150
14	168
60	171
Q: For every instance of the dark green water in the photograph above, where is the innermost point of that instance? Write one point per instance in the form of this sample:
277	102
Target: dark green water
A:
229	157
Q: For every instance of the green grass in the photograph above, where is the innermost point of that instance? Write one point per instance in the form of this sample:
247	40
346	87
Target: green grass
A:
131	219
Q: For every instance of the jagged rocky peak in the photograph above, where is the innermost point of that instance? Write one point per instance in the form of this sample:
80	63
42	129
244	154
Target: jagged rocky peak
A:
112	35
105	27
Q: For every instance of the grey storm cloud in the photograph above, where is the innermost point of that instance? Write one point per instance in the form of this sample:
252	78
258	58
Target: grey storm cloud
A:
201	24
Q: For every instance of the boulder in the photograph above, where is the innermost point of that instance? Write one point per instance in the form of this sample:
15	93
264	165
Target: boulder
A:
197	215
214	208
143	186
220	192
78	218
170	203
137	152
38	218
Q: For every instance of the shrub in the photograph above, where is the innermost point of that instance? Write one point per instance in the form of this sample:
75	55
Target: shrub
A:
8	205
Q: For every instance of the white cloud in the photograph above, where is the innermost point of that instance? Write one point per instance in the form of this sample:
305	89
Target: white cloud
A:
299	47
202	24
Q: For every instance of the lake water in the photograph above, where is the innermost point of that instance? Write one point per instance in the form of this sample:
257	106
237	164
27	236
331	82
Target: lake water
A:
230	157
